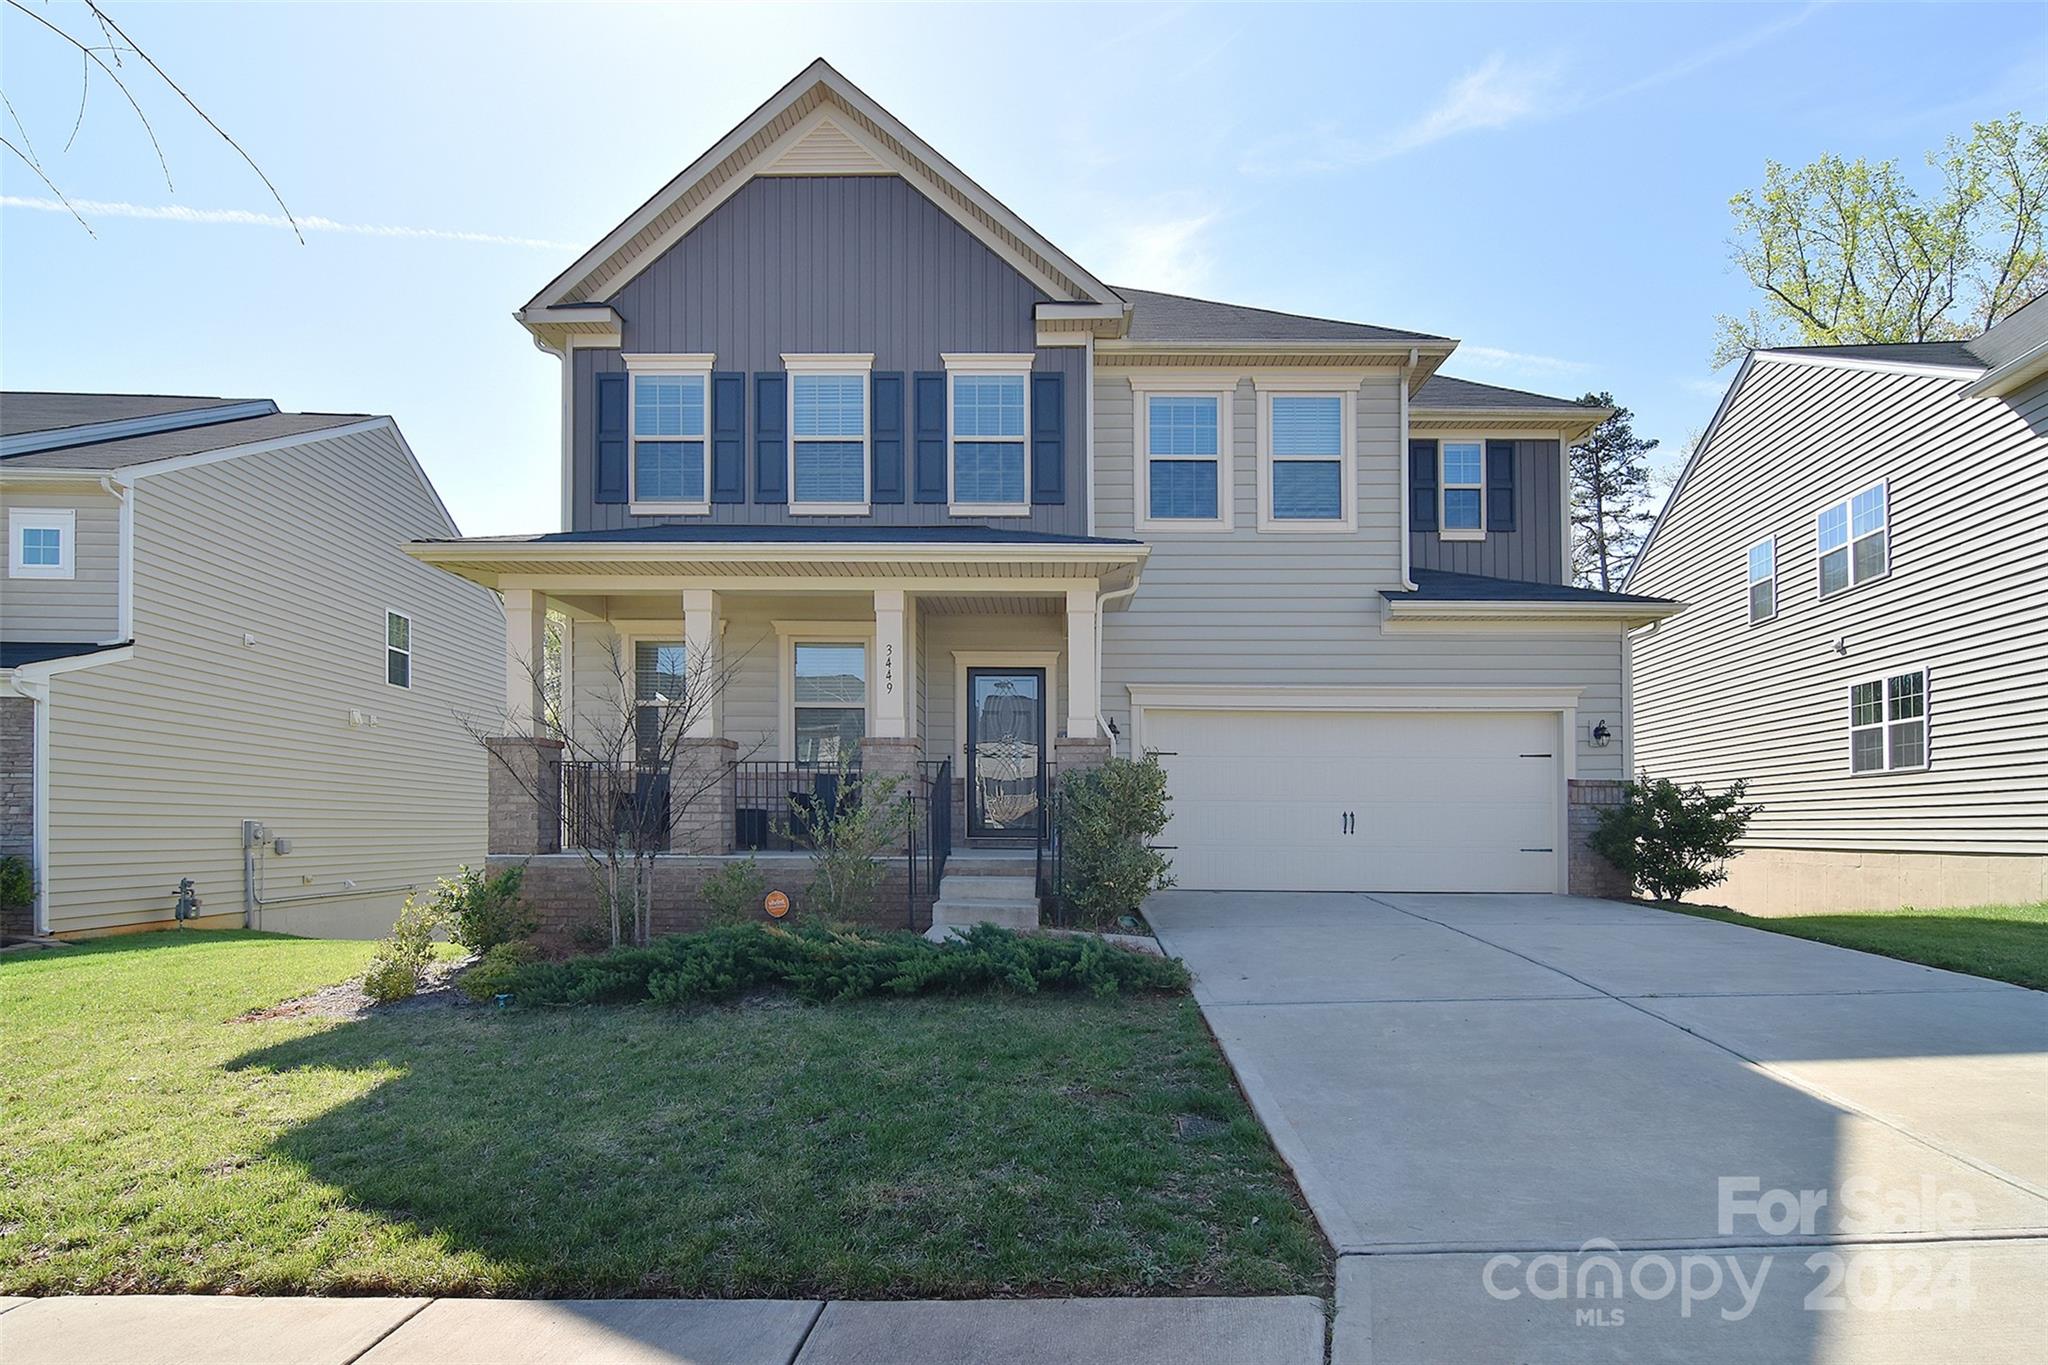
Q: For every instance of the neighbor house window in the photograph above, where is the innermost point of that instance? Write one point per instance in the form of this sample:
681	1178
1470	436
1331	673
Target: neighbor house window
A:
1763	580
1464	487
1184	472
1306	455
1888	723
828	427
1854	547
830	700
989	414
397	649
660	676
670	412
40	542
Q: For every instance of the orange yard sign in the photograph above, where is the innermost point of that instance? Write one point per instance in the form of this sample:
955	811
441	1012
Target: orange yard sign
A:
777	904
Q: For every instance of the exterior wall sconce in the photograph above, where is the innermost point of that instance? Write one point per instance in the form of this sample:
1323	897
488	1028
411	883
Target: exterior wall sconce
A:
1601	734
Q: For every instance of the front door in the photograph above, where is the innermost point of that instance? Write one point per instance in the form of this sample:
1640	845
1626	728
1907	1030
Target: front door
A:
1005	751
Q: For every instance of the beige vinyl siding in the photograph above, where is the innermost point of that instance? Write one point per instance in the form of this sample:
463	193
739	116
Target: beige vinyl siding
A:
1278	609
84	607
261	585
994	636
1966	598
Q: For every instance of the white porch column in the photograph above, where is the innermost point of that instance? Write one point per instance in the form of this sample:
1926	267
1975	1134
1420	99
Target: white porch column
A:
526	647
1084	669
701	660
895	673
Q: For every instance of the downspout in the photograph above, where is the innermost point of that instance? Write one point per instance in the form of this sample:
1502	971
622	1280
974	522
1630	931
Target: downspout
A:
124	603
1407	578
1088	446
563	354
1101	610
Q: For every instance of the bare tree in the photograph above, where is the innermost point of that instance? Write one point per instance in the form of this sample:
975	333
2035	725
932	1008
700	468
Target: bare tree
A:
626	778
106	51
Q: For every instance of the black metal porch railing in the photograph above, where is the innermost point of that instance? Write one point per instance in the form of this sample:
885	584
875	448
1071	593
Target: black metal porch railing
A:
778	807
1051	854
607	805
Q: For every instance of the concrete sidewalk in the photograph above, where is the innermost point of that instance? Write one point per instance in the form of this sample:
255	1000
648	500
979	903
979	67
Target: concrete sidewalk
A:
219	1330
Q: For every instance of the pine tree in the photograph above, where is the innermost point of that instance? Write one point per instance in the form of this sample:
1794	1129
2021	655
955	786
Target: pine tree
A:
1610	497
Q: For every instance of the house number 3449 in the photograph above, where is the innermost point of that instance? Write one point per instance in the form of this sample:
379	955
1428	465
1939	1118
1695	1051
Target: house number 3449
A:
889	668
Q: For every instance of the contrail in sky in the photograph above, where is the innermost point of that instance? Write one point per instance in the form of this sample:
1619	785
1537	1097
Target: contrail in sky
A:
176	213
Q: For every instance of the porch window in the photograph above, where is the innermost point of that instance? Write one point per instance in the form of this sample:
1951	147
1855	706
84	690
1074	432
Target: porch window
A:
1464	486
1888	723
988	444
829	425
1853	541
831	702
660	674
1305	456
668	438
397	649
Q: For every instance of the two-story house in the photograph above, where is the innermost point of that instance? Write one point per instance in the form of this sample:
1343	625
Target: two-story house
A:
1862	534
935	493
217	667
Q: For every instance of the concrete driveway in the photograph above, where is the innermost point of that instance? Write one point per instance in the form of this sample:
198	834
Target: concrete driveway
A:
1549	1128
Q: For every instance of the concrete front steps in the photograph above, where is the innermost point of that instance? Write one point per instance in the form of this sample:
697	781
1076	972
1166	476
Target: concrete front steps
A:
986	886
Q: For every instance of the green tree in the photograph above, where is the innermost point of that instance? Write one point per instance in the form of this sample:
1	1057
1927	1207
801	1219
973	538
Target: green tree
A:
1671	839
1610	496
1847	252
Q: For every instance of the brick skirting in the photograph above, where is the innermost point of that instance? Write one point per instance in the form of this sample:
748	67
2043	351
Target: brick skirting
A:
18	795
1589	873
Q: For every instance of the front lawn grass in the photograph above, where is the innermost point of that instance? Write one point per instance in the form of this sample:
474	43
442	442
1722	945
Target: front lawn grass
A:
969	1146
2004	942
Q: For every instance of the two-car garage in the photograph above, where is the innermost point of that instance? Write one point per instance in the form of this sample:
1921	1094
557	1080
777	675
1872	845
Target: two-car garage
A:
1310	794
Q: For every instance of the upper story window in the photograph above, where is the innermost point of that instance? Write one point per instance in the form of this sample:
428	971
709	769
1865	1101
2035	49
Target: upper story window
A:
828	428
989	413
1852	540
1306	461
397	649
42	542
1464	489
669	412
1183	474
1888	723
1763	580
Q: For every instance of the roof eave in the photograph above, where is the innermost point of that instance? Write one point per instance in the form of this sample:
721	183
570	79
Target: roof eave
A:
1629	613
2014	375
1569	417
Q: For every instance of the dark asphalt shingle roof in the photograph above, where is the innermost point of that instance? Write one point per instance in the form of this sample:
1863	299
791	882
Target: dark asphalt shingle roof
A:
1435	585
26	410
1177	317
1442	391
2018	334
15	653
715	533
1907	352
164	445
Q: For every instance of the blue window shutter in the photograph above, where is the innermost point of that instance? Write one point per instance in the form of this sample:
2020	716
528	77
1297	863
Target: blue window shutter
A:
885	431
1500	485
930	414
728	438
1048	437
611	438
1422	485
771	436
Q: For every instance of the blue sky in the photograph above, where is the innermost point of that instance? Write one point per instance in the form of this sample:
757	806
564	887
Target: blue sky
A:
1548	184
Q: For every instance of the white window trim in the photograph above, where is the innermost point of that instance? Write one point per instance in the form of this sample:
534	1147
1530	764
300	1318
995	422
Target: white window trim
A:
390	649
995	363
1749	584
1885	723
862	365
62	520
1222	388
1347	468
1848	505
637	365
648	633
1443	529
790	634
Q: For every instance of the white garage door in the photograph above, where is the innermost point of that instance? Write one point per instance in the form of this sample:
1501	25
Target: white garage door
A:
1360	801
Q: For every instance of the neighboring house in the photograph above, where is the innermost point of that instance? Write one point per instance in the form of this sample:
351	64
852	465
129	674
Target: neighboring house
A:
206	620
1862	535
939	494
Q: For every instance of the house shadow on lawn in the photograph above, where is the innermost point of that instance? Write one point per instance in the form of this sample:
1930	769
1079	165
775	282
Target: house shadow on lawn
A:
944	1147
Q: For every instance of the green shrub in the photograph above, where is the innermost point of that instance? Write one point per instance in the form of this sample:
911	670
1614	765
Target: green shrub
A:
1108	818
824	965
734	893
399	967
1670	839
17	883
482	912
846	842
493	976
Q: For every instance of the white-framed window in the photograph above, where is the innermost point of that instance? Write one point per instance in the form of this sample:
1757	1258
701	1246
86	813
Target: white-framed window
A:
988	414
661	672
42	542
1763	580
1853	540
828	433
828	700
1462	486
1307	459
1888	722
1183	473
397	649
669	423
